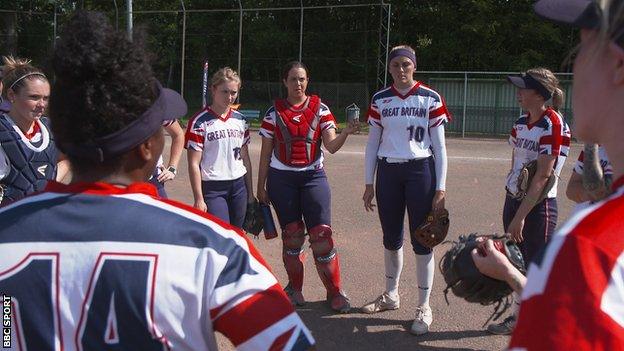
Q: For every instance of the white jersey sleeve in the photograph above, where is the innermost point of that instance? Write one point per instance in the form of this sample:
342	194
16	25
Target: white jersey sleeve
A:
607	169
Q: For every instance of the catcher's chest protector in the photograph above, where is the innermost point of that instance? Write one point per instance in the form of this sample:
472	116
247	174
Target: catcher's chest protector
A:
298	136
31	166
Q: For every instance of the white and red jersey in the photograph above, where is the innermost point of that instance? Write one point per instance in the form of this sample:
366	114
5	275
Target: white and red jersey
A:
121	268
406	119
220	140
574	295
550	135
607	169
267	130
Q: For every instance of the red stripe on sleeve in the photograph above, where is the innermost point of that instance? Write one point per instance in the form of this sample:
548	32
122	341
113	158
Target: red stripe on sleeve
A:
437	112
252	316
189	136
268	126
582	156
328	118
372	113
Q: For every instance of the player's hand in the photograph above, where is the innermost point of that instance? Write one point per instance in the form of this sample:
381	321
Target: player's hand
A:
262	195
352	127
490	261
165	175
438	200
201	205
369	194
515	229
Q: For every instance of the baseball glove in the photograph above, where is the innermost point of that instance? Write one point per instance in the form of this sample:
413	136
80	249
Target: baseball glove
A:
434	230
254	221
464	279
526	176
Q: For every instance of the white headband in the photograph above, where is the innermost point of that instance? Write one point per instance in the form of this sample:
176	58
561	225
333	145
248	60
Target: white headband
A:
27	75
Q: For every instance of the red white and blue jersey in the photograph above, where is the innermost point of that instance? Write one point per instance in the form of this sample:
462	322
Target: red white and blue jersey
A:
220	140
267	130
550	135
100	267
607	169
406	120
574	295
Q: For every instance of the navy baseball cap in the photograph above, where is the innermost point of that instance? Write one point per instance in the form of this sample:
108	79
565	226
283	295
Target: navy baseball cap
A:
169	105
585	14
526	81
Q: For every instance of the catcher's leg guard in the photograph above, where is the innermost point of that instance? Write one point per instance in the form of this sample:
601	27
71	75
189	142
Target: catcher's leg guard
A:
328	266
293	238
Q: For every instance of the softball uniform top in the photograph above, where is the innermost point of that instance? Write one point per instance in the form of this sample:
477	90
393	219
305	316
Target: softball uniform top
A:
407	127
607	169
267	130
118	268
550	135
573	297
220	140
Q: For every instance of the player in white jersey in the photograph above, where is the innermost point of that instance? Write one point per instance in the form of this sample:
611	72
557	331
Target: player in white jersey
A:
115	267
575	190
218	156
406	147
543	135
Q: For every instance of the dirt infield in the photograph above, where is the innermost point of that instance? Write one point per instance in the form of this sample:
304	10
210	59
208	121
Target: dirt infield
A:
475	195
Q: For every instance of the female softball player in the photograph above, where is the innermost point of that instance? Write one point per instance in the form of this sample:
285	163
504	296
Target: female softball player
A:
28	154
573	294
406	147
291	176
218	157
104	263
164	174
575	190
543	135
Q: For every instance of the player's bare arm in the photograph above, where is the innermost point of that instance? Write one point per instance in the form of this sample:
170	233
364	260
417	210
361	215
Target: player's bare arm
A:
249	174
545	164
177	145
333	142
194	159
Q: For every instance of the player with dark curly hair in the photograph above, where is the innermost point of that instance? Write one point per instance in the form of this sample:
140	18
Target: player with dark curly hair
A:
104	262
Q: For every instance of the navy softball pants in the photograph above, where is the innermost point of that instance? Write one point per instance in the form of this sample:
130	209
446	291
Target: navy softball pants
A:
226	199
539	225
399	185
300	194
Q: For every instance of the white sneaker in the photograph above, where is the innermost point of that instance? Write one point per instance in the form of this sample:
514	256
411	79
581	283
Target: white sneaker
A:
383	303
423	320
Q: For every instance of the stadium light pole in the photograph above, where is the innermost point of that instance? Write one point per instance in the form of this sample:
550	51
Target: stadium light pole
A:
129	19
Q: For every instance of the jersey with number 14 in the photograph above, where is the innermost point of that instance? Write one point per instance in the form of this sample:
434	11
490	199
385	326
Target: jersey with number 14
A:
406	120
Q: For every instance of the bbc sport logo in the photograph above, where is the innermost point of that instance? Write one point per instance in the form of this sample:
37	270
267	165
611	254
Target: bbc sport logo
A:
6	321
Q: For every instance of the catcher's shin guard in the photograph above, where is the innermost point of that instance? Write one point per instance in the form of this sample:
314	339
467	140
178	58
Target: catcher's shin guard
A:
326	258
293	238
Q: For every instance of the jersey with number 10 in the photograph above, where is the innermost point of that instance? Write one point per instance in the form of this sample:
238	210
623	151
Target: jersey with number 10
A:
406	119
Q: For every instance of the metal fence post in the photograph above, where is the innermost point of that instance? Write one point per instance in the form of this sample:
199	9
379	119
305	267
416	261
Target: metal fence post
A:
129	19
465	103
183	47
301	31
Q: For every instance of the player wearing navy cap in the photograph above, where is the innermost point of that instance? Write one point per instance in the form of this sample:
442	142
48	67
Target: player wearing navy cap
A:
28	154
543	135
291	168
407	149
104	263
217	140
